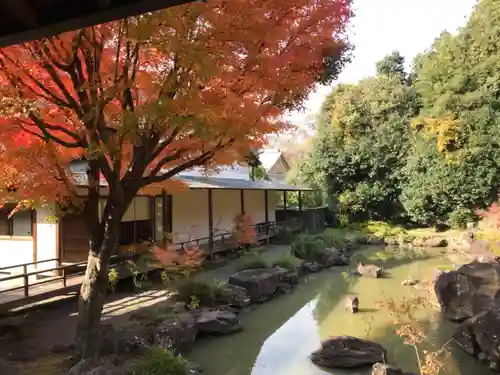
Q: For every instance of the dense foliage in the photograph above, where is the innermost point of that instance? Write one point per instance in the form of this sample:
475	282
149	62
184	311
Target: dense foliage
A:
145	98
419	146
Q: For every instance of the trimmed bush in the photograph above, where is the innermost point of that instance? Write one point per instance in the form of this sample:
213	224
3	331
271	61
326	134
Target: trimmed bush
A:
160	362
203	292
252	262
335	237
308	247
288	262
382	229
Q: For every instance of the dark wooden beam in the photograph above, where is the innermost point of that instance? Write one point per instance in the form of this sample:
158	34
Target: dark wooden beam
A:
210	219
242	201
167	217
266	204
20	22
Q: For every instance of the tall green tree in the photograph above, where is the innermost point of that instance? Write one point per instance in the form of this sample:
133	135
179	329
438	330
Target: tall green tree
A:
454	166
362	141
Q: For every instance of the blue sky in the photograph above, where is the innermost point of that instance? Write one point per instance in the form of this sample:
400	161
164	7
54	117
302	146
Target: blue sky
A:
381	26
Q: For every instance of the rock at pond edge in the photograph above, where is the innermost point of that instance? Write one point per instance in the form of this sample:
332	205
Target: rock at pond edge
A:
348	352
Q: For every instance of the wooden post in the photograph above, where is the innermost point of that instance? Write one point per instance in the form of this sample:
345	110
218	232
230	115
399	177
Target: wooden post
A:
300	209
26	281
285	214
210	220
152	214
242	201
167	217
266	204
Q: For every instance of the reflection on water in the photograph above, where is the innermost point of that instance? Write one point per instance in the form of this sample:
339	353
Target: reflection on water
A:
279	335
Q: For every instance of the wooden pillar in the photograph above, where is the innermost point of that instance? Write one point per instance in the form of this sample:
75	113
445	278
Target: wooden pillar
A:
152	214
284	206
33	234
242	201
210	219
266	205
300	209
167	217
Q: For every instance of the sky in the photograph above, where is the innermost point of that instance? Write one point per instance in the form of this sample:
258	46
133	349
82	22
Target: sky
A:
382	26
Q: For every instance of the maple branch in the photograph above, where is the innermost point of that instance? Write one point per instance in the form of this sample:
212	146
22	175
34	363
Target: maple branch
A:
44	127
199	160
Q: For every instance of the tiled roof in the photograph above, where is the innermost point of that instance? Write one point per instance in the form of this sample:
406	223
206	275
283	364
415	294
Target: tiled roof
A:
211	182
200	182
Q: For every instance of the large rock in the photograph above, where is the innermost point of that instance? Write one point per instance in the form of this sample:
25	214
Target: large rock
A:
8	368
176	333
129	340
333	257
468	291
348	352
369	270
385	369
217	322
232	295
90	367
261	284
480	336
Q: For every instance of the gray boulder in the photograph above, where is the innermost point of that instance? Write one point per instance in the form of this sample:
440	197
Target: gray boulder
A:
261	284
233	295
385	369
369	270
176	333
480	336
348	352
468	291
352	304
216	322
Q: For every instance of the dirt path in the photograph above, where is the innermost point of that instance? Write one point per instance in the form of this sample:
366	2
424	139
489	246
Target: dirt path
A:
39	334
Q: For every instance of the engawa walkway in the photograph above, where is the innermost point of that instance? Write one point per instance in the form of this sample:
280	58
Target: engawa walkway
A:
52	289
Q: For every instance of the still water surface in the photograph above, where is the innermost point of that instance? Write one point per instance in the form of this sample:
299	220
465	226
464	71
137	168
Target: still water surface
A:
279	335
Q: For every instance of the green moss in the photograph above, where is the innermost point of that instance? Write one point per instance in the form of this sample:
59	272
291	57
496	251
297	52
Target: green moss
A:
382	229
251	262
160	362
308	247
191	289
288	262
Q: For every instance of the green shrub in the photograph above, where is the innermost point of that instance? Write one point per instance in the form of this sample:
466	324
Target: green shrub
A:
160	362
190	290
288	262
382	229
308	247
334	237
252	262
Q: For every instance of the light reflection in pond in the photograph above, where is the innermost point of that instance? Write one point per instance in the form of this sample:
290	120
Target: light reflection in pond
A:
279	335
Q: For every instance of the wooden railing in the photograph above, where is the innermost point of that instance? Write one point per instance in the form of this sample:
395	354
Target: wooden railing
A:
262	230
64	273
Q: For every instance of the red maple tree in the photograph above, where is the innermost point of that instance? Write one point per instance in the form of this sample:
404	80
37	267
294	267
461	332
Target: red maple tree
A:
244	231
145	98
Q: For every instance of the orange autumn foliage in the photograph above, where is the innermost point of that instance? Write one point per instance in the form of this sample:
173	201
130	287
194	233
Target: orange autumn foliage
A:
199	84
244	231
176	261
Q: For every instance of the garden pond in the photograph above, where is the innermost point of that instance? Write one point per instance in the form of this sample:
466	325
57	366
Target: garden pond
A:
279	335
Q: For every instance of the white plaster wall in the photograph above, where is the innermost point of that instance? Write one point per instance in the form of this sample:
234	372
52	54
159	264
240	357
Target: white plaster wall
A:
139	209
272	200
46	237
15	251
226	205
189	215
255	205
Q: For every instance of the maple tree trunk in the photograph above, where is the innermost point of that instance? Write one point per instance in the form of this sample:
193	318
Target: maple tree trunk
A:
103	243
